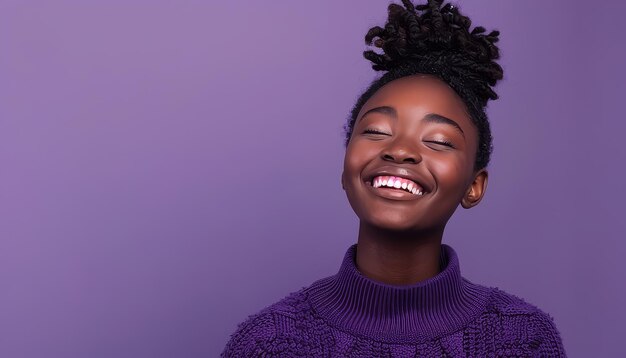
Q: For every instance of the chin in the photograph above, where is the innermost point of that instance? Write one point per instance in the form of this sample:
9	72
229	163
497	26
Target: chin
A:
393	223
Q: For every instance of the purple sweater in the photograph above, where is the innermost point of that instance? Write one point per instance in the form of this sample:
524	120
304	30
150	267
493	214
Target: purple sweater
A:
350	315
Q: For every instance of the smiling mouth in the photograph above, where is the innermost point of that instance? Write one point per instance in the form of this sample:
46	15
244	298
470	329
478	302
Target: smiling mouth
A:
396	183
395	188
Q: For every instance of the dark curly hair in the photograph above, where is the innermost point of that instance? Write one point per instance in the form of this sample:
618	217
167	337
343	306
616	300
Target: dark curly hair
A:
436	40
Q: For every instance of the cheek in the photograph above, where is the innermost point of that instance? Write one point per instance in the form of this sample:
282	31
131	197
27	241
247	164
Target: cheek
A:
451	174
357	156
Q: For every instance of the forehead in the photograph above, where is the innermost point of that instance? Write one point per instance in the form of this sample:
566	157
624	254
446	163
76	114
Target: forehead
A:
419	95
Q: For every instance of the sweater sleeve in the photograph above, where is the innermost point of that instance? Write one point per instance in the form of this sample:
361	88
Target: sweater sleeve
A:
551	343
250	337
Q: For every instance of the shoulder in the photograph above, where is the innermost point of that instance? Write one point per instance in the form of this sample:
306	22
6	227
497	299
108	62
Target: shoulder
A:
520	316
510	304
248	338
262	333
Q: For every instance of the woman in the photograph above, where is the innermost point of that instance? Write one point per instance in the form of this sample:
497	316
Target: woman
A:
417	145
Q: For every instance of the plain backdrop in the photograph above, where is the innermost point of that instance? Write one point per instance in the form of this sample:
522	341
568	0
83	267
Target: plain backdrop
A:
168	168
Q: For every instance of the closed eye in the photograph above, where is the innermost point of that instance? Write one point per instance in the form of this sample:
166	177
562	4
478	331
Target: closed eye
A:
443	142
373	131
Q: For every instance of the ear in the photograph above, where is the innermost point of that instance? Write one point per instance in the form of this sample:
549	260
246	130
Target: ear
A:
476	190
342	183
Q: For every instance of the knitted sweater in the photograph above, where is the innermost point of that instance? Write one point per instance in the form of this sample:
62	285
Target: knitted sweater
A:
350	315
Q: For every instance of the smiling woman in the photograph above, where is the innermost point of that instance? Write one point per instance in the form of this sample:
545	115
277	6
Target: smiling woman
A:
417	145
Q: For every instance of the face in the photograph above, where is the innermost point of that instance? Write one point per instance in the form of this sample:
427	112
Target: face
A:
415	135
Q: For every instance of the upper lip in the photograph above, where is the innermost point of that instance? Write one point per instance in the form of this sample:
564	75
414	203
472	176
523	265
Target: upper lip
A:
400	173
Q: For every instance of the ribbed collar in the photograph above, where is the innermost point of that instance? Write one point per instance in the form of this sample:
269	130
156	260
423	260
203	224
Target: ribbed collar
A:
414	313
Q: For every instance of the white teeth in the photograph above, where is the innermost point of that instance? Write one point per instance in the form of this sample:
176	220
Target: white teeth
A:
398	183
417	191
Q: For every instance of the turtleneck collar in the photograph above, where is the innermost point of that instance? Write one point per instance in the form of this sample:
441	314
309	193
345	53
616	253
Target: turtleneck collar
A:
413	313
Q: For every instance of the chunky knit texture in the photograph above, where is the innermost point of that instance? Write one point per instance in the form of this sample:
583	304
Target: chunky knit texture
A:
350	315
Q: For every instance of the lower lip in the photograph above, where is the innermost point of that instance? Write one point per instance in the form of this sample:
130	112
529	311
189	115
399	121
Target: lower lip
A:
393	194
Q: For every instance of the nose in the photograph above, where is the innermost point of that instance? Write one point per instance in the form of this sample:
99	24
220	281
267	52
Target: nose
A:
401	152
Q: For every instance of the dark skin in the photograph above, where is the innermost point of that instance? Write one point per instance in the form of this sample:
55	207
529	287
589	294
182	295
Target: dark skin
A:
399	241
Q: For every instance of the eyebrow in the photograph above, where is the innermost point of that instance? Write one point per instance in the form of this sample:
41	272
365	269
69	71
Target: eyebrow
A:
430	117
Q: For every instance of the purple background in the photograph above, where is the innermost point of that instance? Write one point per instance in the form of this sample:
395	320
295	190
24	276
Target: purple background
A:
169	168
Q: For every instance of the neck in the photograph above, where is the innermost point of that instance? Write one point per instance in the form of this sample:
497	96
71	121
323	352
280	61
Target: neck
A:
398	258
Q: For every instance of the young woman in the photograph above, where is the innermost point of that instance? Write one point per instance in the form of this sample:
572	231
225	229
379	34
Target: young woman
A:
417	145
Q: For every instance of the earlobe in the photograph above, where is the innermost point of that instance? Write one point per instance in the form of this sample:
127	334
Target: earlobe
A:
469	200
476	191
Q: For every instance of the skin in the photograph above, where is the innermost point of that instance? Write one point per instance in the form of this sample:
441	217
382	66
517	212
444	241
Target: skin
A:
399	241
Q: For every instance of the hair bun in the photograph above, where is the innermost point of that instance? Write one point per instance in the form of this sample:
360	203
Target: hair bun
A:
436	38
